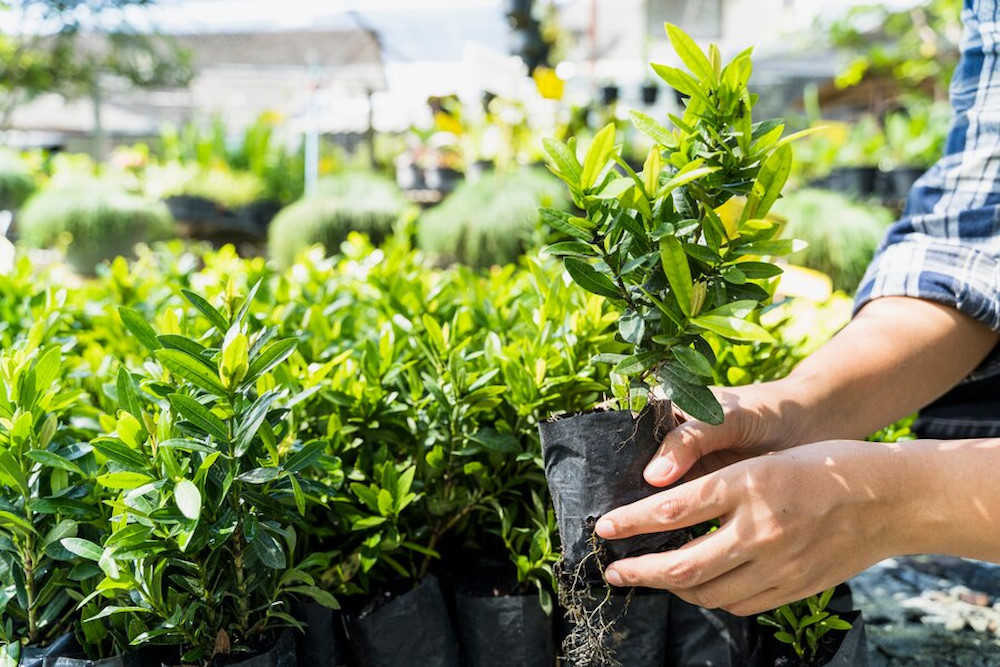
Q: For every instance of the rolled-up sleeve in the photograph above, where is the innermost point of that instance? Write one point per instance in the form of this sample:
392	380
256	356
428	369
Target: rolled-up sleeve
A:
946	246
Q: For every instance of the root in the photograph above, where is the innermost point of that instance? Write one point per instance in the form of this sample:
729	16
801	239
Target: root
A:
590	611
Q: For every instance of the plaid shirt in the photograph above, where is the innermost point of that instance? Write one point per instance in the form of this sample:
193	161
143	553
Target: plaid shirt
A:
946	247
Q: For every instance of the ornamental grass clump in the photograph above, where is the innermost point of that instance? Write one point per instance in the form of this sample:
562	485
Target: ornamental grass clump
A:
678	248
101	220
357	202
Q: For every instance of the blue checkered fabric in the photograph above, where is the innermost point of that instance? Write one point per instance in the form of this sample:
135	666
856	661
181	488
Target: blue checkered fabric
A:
946	247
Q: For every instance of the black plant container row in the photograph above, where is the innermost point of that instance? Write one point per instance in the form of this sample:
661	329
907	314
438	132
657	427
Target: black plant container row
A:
208	219
889	186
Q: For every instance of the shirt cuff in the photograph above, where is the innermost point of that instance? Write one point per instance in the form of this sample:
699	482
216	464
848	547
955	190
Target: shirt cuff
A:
925	268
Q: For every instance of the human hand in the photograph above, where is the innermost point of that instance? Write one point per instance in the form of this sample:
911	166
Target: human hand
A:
793	523
759	418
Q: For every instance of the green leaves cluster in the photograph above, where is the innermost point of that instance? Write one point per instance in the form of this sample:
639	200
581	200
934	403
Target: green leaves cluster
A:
206	502
677	246
803	624
46	495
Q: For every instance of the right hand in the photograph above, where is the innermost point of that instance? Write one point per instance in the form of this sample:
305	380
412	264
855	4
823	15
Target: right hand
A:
757	419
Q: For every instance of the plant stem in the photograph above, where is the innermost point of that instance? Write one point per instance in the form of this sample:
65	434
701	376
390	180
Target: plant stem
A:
242	604
441	531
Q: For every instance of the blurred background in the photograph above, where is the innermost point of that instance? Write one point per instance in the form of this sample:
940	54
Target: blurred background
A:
277	125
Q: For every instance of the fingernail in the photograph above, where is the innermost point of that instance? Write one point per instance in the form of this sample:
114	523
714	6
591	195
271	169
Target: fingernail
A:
604	528
612	577
658	468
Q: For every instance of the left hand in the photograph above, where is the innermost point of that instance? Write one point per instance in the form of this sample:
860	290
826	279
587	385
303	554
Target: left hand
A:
793	523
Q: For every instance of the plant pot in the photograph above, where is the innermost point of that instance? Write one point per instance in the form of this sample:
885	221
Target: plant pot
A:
902	180
443	179
258	215
409	177
593	464
321	644
146	656
412	629
854	180
497	626
639	637
282	654
609	95
650	92
191	209
85	255
837	649
698	636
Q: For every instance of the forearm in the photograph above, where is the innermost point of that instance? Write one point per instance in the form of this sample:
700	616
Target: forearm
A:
946	498
896	356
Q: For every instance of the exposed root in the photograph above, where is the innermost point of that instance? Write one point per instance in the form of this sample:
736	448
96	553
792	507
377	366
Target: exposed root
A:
590	611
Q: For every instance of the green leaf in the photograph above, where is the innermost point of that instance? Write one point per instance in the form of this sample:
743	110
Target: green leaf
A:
680	81
652	129
16	523
318	595
188	499
47	368
120	453
11	474
598	155
733	328
252	422
696	400
300	498
123	480
194	349
271	356
570	249
183	366
759	270
564	160
562	222
587	277
199	415
111	610
690	54
83	548
260	475
615	188
771	248
311	452
490	439
206	309
637	363
685	177
128	399
139	327
694	361
677	270
53	460
770	179
269	550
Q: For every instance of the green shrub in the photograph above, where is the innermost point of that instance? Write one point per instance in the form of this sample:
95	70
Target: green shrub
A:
104	221
842	234
490	221
16	182
356	202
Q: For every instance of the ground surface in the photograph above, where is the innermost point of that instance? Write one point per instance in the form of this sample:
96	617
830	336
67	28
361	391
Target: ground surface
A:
931	610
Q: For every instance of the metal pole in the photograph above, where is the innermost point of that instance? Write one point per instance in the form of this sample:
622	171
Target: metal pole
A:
312	135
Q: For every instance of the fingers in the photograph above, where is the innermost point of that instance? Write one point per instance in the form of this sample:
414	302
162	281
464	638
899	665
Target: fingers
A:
697	563
681	449
683	506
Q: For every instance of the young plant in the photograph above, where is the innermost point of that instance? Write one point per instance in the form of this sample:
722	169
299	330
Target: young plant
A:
803	624
46	494
675	246
201	549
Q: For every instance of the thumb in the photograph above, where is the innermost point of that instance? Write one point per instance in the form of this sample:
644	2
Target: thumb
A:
682	448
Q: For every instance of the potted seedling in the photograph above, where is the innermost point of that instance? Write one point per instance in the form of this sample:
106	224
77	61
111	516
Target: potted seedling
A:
46	493
200	550
808	632
665	248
